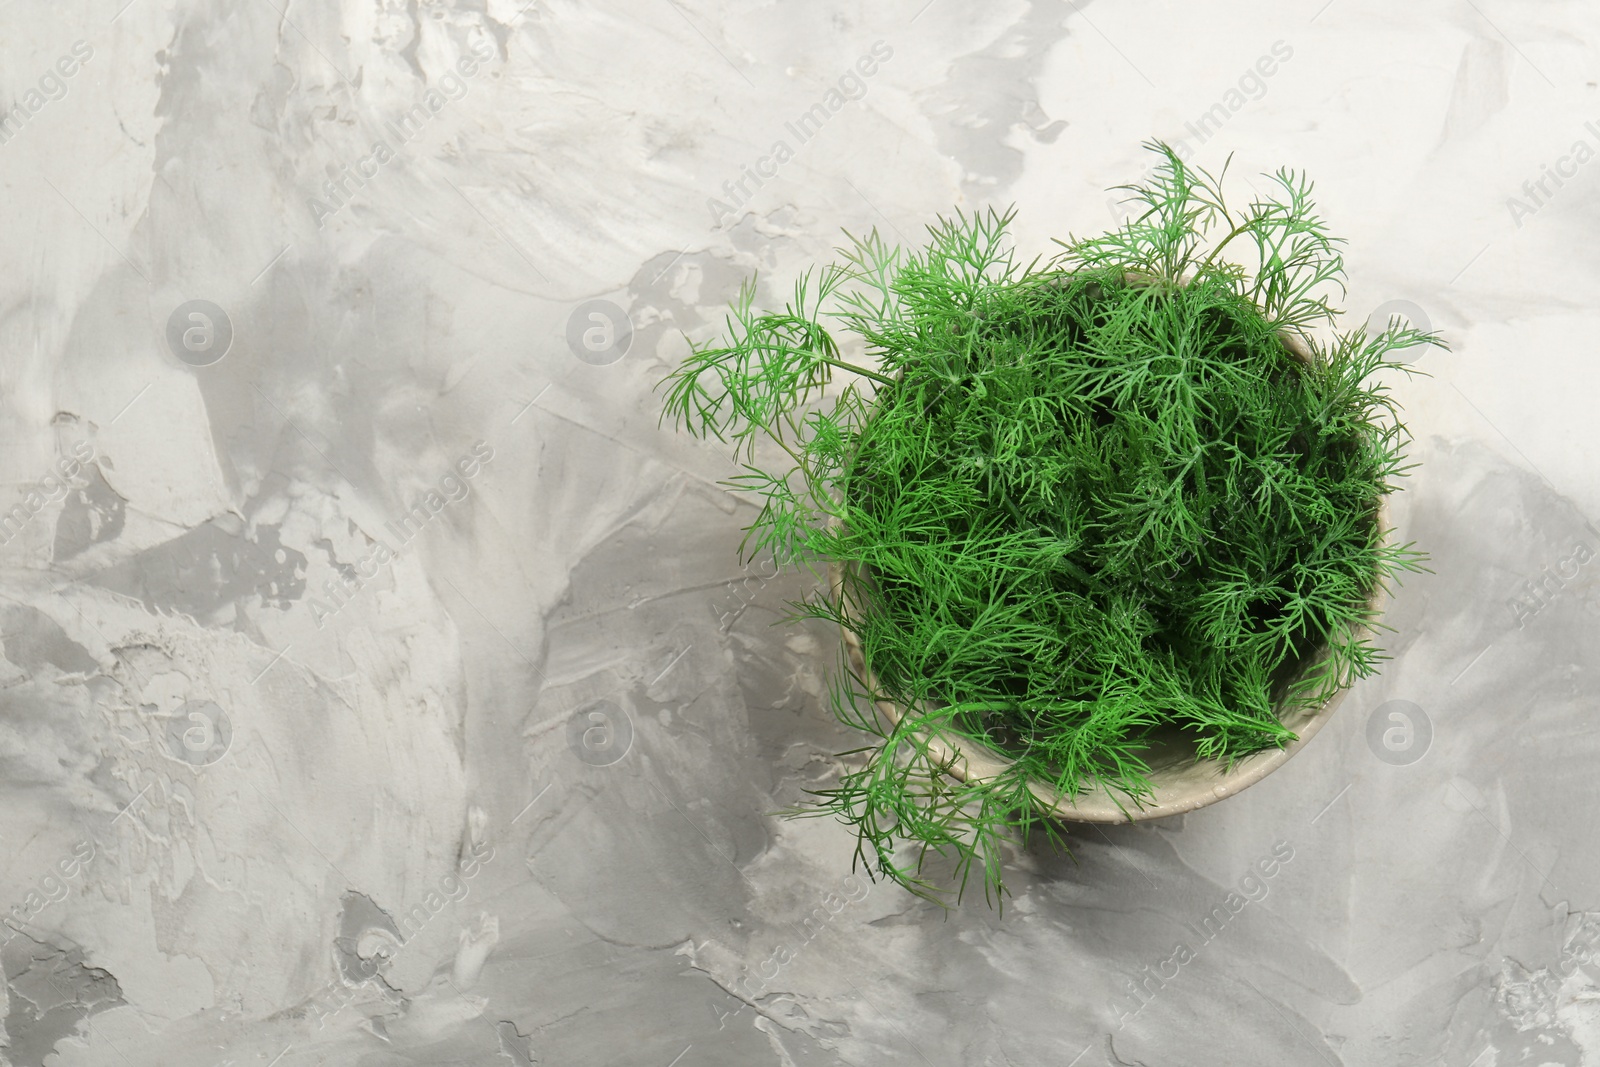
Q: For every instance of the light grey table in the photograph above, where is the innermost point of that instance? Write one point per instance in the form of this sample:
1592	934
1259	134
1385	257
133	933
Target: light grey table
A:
335	517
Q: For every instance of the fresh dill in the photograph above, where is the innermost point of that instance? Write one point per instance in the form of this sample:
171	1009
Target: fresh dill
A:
1073	503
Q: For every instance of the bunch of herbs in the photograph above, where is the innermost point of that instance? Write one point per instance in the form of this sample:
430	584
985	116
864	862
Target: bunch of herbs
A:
1074	503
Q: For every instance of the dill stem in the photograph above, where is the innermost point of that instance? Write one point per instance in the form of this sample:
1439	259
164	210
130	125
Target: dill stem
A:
1244	227
874	375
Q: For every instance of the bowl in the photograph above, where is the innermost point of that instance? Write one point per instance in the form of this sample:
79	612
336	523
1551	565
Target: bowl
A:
1180	781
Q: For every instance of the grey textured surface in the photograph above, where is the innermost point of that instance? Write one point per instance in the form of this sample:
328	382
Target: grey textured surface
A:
382	687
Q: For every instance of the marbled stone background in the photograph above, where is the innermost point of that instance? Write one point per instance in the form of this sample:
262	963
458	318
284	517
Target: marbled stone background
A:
262	734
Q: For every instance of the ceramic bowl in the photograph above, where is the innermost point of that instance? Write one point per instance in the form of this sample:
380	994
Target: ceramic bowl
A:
1181	782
